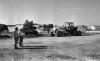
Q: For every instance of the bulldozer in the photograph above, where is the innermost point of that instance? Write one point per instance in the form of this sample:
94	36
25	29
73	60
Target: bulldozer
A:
68	29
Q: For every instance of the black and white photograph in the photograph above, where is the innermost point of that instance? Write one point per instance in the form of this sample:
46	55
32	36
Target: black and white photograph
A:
49	30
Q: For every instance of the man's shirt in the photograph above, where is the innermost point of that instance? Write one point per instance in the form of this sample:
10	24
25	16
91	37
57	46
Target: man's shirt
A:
16	33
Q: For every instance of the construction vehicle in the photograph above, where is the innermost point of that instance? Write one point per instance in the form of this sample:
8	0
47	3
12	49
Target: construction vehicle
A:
68	29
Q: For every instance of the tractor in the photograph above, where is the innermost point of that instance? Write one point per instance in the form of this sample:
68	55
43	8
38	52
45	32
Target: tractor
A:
68	29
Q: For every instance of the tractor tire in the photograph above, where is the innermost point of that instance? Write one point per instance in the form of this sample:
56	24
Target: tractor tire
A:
79	33
75	33
58	33
52	34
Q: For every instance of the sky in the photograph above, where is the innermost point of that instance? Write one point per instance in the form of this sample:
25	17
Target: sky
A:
81	12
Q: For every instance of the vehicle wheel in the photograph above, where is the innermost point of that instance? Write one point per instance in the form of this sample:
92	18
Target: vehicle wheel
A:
52	34
79	33
58	33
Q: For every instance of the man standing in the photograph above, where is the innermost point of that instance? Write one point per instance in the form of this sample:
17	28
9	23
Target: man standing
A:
21	37
16	37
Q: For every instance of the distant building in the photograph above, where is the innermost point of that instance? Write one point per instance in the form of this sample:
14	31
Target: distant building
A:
20	26
11	27
95	27
92	27
82	28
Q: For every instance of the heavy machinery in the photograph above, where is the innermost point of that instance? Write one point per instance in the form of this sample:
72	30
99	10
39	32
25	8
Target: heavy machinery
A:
29	29
67	29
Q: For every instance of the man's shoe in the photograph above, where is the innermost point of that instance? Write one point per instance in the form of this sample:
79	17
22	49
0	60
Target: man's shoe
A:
21	44
15	47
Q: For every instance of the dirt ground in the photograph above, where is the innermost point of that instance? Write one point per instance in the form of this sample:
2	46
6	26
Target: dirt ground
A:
74	48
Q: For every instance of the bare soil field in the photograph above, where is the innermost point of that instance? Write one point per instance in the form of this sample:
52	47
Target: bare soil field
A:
73	48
